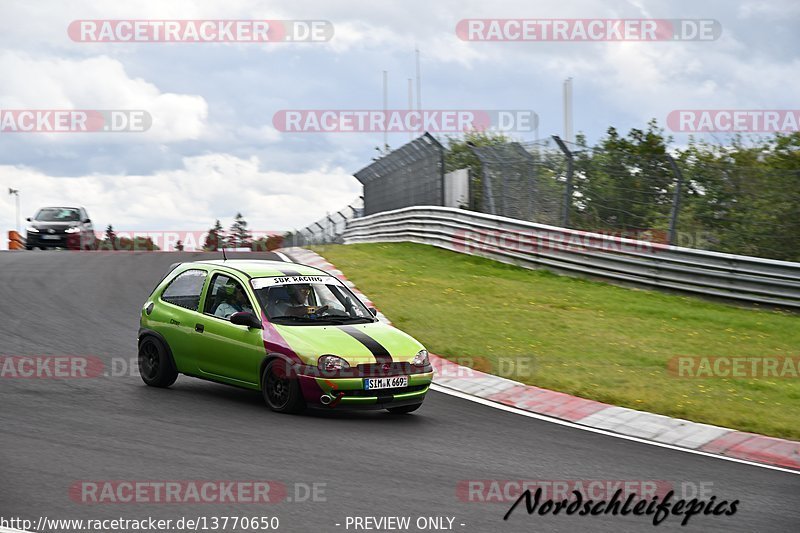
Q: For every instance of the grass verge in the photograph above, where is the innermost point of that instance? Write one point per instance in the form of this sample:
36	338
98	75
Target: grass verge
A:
581	337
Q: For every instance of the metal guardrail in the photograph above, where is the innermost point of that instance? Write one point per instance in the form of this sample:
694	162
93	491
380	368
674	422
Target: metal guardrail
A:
747	279
328	229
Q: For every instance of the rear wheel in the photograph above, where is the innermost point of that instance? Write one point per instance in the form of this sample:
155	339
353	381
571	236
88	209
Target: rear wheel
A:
404	409
281	389
155	364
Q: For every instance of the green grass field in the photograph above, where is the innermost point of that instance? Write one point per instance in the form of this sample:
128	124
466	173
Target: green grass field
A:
581	337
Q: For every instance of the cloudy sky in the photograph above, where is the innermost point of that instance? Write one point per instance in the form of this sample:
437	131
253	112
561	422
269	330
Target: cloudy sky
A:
212	149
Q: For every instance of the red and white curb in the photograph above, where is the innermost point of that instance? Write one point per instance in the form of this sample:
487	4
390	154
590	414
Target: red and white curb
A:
671	432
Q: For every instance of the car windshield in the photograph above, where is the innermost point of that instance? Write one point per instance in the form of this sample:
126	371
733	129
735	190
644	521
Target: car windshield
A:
58	214
309	300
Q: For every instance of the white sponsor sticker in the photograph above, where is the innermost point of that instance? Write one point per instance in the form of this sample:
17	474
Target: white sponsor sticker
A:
260	283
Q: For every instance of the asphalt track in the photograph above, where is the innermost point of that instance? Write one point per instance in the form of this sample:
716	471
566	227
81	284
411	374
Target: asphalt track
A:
56	432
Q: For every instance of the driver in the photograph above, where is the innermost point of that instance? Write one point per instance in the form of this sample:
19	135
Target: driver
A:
235	301
298	303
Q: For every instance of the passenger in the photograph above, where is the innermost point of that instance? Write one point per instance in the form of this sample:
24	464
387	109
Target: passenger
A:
235	302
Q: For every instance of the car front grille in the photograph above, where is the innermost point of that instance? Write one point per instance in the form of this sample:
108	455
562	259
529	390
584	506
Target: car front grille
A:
382	392
371	370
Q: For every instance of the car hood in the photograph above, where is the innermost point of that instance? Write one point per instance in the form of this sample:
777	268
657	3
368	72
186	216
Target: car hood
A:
357	343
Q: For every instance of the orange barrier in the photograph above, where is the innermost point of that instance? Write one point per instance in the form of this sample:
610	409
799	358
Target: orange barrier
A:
15	241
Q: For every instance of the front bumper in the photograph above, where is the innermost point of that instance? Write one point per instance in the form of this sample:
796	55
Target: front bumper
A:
70	241
349	393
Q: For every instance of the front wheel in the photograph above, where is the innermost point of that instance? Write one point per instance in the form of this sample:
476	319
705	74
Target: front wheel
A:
155	364
404	409
281	389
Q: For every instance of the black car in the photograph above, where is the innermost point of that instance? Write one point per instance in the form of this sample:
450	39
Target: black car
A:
60	227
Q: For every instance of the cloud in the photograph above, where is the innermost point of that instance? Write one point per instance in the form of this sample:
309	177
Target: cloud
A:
33	82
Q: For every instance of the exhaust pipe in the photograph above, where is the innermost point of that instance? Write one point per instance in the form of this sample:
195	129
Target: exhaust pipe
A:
325	399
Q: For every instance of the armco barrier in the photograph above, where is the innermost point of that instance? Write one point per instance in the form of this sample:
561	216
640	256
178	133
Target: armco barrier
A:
746	279
15	241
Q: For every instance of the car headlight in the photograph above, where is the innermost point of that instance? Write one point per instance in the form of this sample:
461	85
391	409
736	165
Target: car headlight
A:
331	362
421	359
31	229
74	229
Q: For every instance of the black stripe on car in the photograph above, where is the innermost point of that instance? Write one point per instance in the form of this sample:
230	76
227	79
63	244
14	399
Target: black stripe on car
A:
380	353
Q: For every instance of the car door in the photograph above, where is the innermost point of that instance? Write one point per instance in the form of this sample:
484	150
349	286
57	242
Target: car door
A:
177	318
225	351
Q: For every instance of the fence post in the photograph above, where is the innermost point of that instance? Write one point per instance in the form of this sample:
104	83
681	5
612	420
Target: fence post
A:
676	200
333	229
568	188
322	229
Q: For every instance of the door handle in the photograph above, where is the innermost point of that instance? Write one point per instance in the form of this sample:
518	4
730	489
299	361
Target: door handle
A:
199	328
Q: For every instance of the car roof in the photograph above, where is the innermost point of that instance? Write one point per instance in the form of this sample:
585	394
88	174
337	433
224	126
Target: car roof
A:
256	268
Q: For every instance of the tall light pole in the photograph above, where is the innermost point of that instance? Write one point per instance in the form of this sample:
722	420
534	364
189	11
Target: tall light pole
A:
15	192
568	136
419	81
410	105
385	146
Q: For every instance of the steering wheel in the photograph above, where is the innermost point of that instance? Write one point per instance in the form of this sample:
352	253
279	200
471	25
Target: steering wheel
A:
316	310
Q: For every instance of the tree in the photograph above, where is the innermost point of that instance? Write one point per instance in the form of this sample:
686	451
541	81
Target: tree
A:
743	198
110	242
215	238
268	243
239	234
624	183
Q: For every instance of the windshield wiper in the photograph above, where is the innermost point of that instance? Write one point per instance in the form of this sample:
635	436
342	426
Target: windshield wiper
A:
340	319
335	319
292	317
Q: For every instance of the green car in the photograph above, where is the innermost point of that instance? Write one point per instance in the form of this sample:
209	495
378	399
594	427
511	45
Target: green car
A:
294	332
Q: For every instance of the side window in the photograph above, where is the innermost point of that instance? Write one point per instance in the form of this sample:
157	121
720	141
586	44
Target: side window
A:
225	297
185	289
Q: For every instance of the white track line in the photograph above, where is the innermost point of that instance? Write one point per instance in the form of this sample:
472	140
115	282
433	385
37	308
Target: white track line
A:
283	257
508	408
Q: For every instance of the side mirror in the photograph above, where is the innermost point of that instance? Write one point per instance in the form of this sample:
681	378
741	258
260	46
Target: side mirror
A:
29	219
87	221
245	318
373	311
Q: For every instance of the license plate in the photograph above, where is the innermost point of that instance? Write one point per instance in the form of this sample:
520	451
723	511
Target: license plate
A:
51	237
385	383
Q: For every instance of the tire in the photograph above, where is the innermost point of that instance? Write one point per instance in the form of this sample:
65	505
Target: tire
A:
281	389
404	410
156	367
